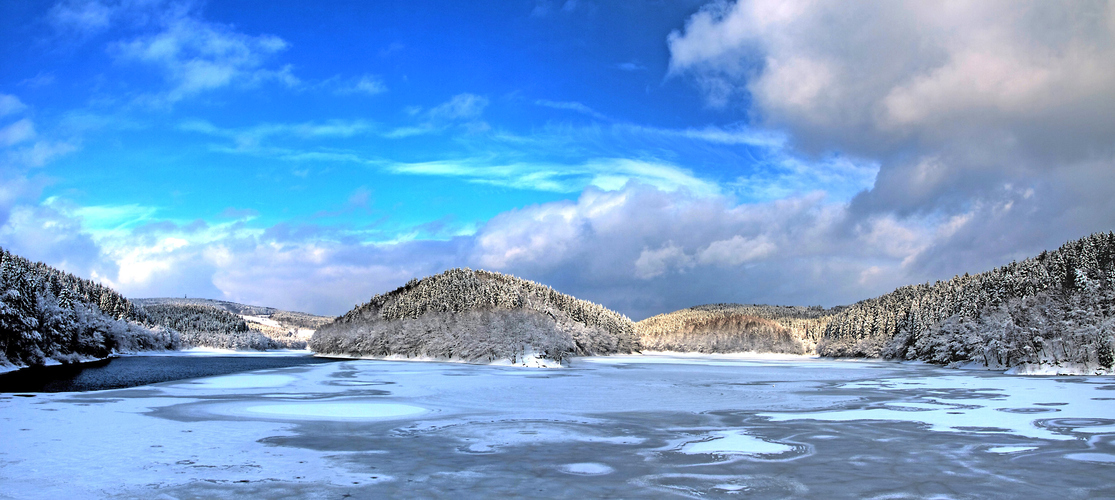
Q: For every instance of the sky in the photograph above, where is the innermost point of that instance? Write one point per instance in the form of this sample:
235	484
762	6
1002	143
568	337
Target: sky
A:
646	155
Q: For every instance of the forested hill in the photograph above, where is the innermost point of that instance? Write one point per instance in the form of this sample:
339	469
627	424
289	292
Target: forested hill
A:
229	325
725	328
1057	308
46	313
476	316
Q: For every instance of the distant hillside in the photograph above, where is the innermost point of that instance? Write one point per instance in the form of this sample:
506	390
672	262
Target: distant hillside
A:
46	313
725	328
476	316
229	325
1055	309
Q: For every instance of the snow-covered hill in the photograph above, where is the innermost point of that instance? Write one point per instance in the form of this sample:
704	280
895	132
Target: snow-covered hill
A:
476	316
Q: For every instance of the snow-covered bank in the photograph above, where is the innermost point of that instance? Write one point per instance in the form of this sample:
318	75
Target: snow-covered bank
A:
527	360
211	351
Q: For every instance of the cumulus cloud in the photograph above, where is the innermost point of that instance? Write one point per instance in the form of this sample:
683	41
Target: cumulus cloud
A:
960	105
892	72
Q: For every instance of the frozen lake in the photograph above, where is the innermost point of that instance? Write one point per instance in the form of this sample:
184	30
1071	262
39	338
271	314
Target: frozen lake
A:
625	426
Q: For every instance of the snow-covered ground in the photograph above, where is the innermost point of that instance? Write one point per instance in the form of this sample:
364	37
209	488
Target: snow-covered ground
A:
624	426
212	351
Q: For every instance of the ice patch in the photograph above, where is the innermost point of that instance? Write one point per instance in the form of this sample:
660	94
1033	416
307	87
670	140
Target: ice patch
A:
329	411
1010	449
734	443
586	469
983	404
1104	458
251	381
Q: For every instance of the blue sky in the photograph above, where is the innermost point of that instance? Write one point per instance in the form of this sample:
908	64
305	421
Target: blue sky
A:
645	155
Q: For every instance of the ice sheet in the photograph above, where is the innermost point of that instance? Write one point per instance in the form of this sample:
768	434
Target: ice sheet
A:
628	427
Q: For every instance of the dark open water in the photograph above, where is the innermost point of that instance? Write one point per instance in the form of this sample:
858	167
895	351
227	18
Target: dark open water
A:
132	371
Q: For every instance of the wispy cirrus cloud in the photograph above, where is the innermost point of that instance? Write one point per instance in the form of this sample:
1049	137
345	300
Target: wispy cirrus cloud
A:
572	106
195	56
604	173
462	110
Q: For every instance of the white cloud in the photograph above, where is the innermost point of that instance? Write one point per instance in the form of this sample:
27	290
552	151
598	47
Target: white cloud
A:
736	251
571	106
652	263
17	132
10	104
460	107
462	110
949	101
605	173
370	84
196	56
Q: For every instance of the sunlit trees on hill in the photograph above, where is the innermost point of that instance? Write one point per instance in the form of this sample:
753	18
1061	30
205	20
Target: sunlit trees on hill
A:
725	328
476	316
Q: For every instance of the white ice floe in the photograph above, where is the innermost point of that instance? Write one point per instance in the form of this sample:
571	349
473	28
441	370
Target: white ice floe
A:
1010	449
586	469
734	442
335	411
